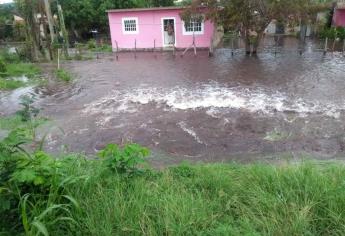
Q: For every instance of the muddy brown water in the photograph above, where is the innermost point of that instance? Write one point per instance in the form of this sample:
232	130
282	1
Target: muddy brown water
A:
198	108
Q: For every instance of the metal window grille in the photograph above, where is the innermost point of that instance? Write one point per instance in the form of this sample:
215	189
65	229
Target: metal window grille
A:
130	25
194	26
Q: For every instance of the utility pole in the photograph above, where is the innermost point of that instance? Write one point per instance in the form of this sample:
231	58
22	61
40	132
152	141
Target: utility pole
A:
50	20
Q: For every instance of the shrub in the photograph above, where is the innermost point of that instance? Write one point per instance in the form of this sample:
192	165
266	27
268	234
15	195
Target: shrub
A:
63	75
333	33
28	112
10	57
3	68
91	44
124	160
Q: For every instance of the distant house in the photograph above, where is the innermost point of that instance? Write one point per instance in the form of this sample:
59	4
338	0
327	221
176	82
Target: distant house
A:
157	27
339	14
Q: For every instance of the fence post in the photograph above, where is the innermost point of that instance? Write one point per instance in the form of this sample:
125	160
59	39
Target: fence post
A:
232	45
194	44
326	47
58	58
210	53
117	51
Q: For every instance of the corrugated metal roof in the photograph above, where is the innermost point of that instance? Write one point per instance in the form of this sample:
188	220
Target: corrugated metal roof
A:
146	9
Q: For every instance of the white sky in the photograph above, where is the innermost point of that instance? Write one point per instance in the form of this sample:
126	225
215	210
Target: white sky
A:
5	1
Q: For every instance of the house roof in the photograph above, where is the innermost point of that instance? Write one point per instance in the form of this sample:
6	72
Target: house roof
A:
145	9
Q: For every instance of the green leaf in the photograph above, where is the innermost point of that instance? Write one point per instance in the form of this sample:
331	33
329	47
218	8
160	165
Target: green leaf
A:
41	228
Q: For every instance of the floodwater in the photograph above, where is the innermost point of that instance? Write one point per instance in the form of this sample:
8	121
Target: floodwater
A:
203	109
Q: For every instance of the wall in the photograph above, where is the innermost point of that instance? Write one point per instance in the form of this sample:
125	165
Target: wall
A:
339	17
150	29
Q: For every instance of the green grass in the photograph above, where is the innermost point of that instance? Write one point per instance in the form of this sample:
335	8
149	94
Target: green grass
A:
15	121
63	75
217	199
19	69
15	70
10	84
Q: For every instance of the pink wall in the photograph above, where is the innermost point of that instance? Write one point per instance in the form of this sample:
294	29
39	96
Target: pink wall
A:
150	29
339	17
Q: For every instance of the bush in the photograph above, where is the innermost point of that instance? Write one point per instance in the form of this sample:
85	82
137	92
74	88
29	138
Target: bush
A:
63	75
333	33
3	68
91	44
124	160
9	57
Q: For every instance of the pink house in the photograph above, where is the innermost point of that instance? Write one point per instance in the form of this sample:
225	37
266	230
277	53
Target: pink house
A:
157	27
339	15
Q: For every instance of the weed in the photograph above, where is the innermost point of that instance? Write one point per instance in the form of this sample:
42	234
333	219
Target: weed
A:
10	84
3	68
124	160
63	75
91	44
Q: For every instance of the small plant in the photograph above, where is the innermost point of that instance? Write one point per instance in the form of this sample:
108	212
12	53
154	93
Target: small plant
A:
91	44
29	111
3	68
124	160
63	75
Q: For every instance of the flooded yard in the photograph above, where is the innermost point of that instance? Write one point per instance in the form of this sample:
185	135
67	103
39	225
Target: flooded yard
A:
199	108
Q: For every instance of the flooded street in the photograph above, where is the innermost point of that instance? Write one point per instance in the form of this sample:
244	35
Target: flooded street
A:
198	108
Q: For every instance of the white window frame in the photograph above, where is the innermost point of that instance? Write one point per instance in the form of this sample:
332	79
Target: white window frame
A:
162	22
195	32
136	22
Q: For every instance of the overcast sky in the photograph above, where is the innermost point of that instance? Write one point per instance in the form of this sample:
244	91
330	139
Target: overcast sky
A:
5	1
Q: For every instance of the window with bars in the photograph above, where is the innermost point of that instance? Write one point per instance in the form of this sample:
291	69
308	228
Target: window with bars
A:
194	26
130	25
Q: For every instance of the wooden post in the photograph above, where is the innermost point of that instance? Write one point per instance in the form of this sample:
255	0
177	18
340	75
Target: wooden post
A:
58	58
334	42
210	53
154	48
135	48
194	44
326	47
117	50
232	46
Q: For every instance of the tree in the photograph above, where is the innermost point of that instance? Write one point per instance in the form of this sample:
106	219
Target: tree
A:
251	17
162	3
81	16
6	19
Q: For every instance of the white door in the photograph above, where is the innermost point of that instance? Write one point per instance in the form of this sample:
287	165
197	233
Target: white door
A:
169	28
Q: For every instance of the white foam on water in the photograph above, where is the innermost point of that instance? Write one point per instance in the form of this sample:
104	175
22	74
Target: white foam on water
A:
213	97
189	131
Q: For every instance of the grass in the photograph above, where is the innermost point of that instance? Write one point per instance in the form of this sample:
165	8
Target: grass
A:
63	75
203	199
18	69
218	199
11	66
15	121
10	84
7	79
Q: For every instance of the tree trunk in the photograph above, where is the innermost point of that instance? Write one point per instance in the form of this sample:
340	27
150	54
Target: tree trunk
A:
256	43
246	38
63	30
50	20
